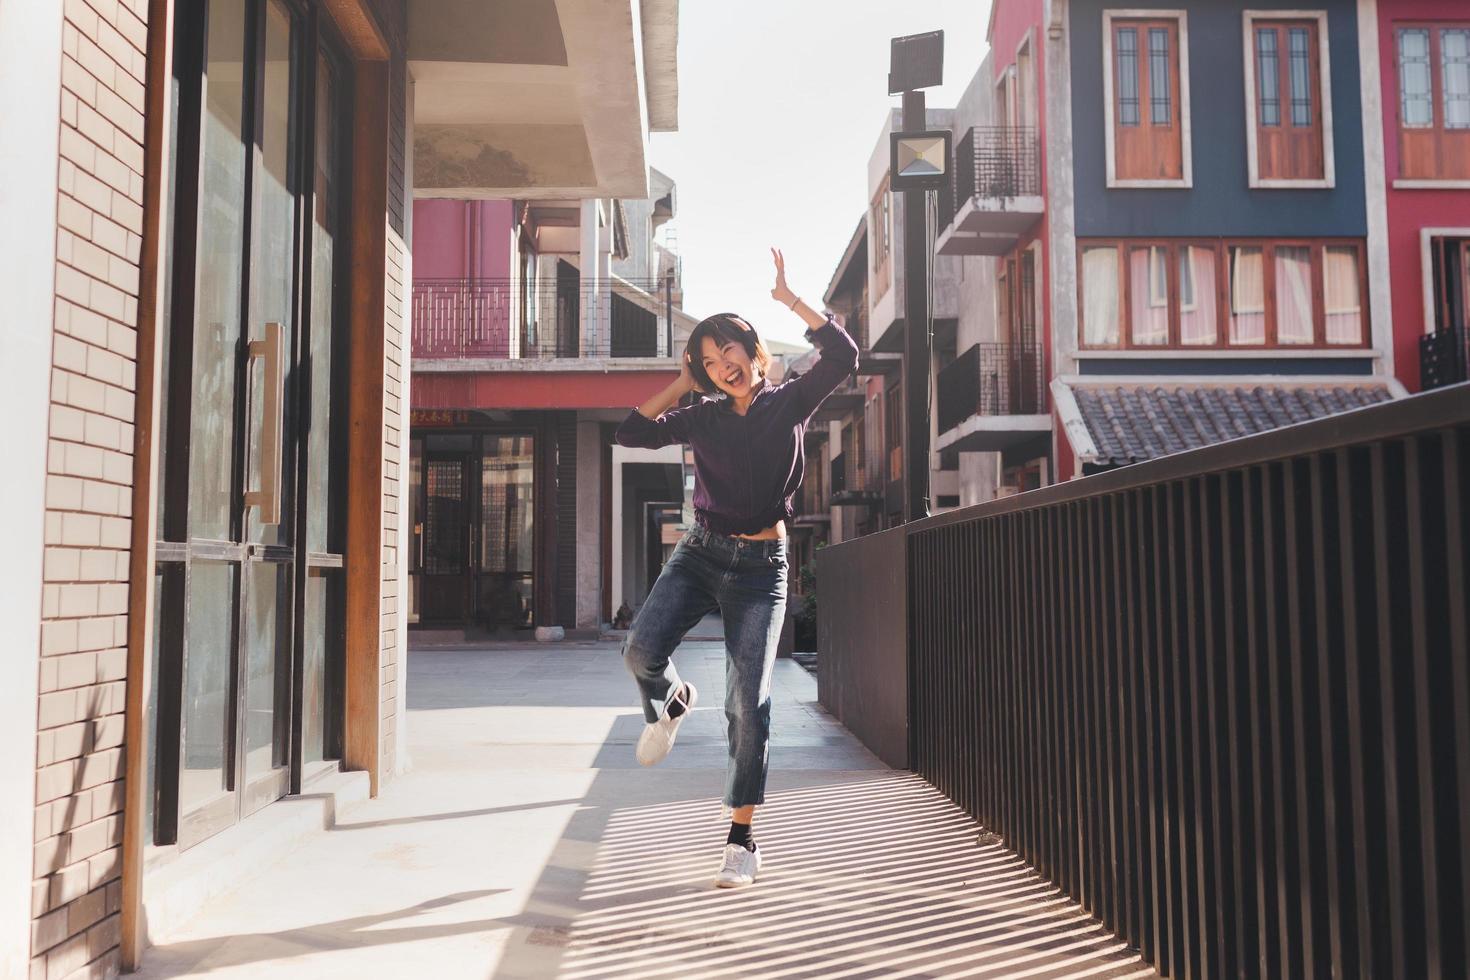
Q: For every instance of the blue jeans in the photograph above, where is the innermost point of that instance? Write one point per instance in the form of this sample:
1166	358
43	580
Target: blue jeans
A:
746	581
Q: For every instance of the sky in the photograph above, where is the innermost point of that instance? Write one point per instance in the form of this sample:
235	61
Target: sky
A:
780	106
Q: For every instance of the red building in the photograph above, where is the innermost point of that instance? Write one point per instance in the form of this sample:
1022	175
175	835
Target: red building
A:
1423	65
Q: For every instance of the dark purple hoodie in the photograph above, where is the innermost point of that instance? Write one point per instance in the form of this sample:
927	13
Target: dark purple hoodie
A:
748	467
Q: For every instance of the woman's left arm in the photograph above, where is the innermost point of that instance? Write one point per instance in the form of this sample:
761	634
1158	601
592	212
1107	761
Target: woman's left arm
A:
839	352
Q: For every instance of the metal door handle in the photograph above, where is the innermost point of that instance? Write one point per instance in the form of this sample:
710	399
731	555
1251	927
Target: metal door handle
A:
272	350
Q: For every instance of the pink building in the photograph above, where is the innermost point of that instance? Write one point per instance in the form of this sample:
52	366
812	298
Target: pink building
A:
537	325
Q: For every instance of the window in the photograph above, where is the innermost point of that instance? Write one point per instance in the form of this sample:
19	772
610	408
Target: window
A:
880	215
1294	315
1197	307
893	430
1289	120
1222	294
1247	294
1148	268
1342	292
1434	101
1146	100
1100	289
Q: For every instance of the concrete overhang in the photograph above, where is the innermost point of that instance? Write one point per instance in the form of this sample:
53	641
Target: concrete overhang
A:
838	404
990	225
993	433
537	99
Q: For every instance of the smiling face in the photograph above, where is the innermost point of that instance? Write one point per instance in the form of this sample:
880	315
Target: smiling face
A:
729	366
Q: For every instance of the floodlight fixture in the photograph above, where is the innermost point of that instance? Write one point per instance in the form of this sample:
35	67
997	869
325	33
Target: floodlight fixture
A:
916	61
919	161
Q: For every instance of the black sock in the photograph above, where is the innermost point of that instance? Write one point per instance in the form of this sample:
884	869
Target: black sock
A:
740	834
676	706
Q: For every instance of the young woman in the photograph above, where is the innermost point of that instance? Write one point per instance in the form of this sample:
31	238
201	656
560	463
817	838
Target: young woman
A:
748	463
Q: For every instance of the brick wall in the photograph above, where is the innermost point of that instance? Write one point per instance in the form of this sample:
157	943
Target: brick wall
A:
392	18
79	758
391	660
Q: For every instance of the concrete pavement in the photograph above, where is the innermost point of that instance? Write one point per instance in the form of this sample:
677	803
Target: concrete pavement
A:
526	842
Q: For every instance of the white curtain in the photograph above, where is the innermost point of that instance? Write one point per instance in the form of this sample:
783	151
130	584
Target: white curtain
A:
1197	306
1342	295
1100	296
1148	285
1293	294
1247	295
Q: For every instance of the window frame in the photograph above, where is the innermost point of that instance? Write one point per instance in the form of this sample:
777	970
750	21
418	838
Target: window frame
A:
1323	121
880	240
1437	131
1220	248
1147	17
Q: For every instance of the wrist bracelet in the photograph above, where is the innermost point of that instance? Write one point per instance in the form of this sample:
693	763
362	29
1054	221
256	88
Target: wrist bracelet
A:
794	301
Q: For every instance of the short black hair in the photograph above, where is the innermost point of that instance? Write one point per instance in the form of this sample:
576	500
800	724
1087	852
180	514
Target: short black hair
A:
723	327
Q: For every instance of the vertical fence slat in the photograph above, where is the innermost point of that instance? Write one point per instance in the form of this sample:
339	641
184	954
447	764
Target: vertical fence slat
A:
1186	539
1338	881
1218	881
1303	768
1424	707
1234	652
1355	692
1456	476
1153	942
1387	680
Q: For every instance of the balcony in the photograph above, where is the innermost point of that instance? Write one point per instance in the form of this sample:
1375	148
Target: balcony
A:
1444	358
483	324
1129	678
997	191
857	478
992	398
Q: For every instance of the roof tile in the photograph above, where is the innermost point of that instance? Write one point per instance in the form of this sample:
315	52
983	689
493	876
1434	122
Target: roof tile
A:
1133	423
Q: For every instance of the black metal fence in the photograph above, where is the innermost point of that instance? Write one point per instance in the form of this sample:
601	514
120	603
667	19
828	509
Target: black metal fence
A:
997	162
556	316
1221	698
1444	358
990	379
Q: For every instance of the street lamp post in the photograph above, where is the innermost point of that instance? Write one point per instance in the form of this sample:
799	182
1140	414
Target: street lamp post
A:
919	163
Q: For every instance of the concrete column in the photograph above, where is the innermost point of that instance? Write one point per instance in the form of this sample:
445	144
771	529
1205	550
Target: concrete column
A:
593	275
30	117
1061	217
589	524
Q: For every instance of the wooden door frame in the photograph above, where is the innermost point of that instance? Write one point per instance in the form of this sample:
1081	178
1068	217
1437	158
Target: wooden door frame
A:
369	51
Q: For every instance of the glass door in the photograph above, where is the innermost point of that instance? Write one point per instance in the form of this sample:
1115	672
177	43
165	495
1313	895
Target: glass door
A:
445	568
505	558
247	560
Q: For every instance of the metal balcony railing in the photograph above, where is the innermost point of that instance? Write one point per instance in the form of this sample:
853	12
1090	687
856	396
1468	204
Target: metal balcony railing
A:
997	162
554	317
1218	698
1444	358
991	379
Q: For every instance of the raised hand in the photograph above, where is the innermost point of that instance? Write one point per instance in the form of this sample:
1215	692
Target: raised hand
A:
781	293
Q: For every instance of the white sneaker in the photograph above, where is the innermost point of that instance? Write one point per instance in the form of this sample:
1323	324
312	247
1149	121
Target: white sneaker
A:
657	739
740	867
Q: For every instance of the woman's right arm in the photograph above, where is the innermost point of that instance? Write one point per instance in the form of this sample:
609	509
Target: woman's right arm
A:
656	423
